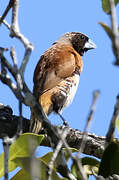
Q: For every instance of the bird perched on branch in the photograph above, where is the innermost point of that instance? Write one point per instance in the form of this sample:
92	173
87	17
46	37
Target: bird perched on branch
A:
57	74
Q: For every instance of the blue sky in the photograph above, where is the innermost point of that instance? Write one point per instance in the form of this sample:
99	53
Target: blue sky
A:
42	22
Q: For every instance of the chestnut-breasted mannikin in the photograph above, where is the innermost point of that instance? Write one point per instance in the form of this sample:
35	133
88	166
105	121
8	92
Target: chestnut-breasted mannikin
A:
57	74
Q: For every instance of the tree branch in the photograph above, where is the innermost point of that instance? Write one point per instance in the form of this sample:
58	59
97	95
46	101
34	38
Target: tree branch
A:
9	6
94	145
6	147
110	133
115	31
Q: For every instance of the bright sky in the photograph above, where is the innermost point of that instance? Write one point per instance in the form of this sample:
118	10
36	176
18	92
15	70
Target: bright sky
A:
43	22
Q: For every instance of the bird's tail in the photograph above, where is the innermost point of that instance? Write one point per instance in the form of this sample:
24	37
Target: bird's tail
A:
46	103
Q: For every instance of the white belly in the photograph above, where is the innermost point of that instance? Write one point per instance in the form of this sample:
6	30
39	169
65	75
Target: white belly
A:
69	90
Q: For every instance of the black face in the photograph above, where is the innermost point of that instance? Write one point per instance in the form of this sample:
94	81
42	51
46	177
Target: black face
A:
78	42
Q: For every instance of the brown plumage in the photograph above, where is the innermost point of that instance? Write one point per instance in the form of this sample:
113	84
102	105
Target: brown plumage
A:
57	74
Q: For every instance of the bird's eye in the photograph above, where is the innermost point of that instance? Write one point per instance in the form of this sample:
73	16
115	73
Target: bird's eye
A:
82	37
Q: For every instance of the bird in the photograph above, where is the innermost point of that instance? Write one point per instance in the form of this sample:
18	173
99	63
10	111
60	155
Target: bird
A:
57	74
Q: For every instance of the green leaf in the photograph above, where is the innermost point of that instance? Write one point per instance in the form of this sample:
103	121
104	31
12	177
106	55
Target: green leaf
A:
106	7
75	171
110	34
39	168
116	2
47	157
20	149
67	155
110	161
117	124
22	174
107	30
89	164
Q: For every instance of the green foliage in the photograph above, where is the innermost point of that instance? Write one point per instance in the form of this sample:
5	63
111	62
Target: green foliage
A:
67	155
20	156
106	7
20	149
22	174
107	29
90	165
110	160
47	157
38	166
23	149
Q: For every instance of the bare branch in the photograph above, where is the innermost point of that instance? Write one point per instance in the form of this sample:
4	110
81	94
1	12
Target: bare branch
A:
6	80
6	145
59	157
6	24
110	133
115	32
15	26
83	142
25	61
74	158
6	157
95	96
9	123
16	33
14	57
18	77
7	64
11	2
20	122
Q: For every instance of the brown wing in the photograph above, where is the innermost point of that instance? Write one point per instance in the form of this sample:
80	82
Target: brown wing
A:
57	63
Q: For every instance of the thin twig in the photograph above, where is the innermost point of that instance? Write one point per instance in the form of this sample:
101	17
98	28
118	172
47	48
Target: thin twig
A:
7	64
17	75
14	24
14	57
95	97
58	156
20	122
110	133
74	158
11	2
114	23
55	154
6	80
15	32
83	142
6	157
25	61
5	23
6	146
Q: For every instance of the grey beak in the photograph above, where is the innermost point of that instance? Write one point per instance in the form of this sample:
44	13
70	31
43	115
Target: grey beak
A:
89	45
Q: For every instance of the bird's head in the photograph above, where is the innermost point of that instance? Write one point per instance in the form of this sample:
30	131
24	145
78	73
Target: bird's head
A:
80	42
